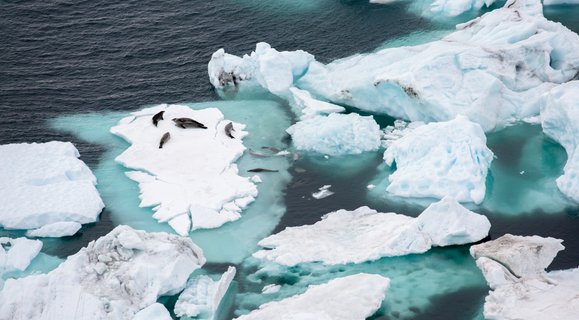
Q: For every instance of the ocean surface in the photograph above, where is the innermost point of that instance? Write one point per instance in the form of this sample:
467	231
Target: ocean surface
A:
63	58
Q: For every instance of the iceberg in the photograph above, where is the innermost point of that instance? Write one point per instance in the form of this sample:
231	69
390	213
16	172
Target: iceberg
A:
202	296
560	121
192	182
114	277
156	311
45	183
514	267
354	297
56	230
365	235
440	159
336	134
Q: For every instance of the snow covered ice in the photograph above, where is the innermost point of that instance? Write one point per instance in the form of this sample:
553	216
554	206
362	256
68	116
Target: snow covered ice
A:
45	183
56	230
156	311
560	121
308	107
354	297
440	159
16	254
365	235
192	182
114	277
514	267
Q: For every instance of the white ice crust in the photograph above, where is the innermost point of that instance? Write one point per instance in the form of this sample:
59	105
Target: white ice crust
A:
16	254
336	134
492	70
192	182
560	121
440	159
44	183
323	192
56	230
354	297
202	296
514	267
114	277
365	235
156	311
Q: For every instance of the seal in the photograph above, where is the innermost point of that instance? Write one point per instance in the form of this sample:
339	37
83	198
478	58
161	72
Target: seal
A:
164	139
188	123
228	129
157	117
261	170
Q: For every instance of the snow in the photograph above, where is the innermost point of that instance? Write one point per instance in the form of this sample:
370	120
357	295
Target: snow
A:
114	277
16	254
440	159
365	235
44	183
560	121
323	192
514	267
156	311
202	296
56	230
192	182
348	298
336	134
309	107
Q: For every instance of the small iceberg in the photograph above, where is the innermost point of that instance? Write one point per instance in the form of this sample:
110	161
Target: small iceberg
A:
45	183
354	297
365	235
323	192
16	254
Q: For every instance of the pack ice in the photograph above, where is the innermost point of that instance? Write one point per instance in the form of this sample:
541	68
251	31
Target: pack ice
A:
560	121
365	235
354	297
114	277
492	70
514	267
16	254
45	183
440	159
191	182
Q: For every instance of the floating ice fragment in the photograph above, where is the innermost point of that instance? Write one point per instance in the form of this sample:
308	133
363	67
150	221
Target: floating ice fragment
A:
323	192
308	107
16	254
156	311
56	230
271	288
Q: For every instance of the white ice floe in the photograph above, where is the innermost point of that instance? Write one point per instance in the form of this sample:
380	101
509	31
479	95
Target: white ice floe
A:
365	235
308	107
440	159
44	183
156	311
323	192
397	131
56	230
193	181
202	296
560	121
271	288
354	297
16	254
492	70
514	267
114	277
336	134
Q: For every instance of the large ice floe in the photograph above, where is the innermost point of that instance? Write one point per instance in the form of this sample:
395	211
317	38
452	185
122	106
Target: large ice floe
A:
365	235
336	134
45	183
560	121
114	277
192	182
440	159
16	254
514	267
492	70
354	297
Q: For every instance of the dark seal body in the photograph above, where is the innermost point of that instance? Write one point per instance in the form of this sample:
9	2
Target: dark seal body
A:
164	139
261	170
228	129
157	117
188	123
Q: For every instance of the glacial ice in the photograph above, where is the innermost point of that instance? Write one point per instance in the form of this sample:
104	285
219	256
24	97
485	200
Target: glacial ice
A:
492	70
202	296
114	277
308	107
16	254
44	183
354	297
560	121
156	311
336	134
192	182
440	159
56	230
514	267
365	235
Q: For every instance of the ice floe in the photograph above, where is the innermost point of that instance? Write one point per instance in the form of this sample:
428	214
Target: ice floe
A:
364	235
440	159
156	311
202	296
323	192
192	182
307	107
16	254
44	183
560	121
114	277
514	267
56	230
336	134
354	297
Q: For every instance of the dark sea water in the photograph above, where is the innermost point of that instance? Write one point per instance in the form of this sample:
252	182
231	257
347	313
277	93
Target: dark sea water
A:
68	57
